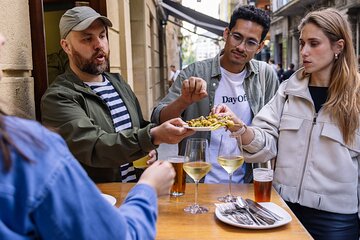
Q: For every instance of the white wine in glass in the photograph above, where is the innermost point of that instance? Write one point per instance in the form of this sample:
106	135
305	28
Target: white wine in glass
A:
196	166
197	170
230	163
230	157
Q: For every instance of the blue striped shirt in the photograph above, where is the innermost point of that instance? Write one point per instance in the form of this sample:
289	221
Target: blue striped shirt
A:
120	117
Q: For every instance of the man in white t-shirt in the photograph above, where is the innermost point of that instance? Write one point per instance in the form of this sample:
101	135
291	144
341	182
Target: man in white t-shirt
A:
230	92
232	78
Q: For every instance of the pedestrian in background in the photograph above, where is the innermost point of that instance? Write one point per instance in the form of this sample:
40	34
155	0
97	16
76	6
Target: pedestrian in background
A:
312	127
288	72
173	74
279	71
272	64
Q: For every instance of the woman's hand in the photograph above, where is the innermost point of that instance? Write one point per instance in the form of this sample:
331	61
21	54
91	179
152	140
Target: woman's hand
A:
222	110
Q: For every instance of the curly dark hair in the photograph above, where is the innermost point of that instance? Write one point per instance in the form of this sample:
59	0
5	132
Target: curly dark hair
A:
253	14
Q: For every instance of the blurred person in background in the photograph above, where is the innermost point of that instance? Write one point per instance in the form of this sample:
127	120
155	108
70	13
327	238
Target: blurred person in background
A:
279	71
288	72
272	64
173	74
96	112
312	127
46	194
232	78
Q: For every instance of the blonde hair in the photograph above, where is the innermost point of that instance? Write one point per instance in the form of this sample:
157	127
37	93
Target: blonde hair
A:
343	102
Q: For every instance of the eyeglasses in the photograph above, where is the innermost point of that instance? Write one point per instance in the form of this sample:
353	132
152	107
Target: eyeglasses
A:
236	39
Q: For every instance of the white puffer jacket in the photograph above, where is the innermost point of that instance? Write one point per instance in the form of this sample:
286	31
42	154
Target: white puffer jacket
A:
314	166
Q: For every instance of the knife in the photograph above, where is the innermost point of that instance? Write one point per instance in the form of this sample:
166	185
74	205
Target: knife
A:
258	206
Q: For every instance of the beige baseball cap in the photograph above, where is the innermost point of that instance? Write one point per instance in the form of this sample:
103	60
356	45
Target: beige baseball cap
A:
79	19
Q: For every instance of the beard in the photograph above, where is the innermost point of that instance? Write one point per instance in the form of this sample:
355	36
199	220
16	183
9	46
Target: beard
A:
89	65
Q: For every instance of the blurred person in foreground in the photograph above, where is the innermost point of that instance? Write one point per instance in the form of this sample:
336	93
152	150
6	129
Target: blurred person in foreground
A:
96	112
312	128
232	78
46	194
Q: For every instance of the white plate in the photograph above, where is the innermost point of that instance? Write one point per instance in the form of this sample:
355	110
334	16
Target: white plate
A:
201	129
109	198
269	205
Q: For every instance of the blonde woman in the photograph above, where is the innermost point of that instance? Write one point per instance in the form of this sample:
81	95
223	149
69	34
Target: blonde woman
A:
311	126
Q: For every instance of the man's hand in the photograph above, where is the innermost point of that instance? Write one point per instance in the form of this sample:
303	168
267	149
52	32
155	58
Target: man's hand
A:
171	131
153	157
193	90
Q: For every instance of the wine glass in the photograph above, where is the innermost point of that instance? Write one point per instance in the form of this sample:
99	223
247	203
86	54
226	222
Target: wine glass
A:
230	157
196	166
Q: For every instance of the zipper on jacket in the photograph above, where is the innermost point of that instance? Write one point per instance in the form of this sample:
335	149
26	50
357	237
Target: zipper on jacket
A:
307	154
314	119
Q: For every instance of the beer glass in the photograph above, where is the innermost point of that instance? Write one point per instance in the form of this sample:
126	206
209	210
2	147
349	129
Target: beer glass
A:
196	166
230	157
178	188
262	184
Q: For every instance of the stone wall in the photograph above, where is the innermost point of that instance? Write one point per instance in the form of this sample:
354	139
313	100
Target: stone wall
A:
135	52
146	54
17	85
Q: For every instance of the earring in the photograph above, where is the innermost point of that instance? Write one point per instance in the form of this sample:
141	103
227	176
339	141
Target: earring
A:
336	56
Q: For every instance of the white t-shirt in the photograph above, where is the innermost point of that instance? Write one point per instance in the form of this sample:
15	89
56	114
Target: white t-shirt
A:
173	75
231	93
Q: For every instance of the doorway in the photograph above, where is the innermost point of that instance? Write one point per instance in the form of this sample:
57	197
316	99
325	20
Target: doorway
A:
44	22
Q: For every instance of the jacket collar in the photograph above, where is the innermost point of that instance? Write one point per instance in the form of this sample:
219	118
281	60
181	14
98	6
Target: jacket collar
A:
297	85
251	68
215	66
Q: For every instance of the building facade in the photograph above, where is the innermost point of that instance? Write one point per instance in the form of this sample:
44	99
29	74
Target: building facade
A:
138	43
207	46
286	16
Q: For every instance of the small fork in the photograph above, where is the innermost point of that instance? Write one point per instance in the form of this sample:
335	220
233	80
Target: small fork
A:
229	210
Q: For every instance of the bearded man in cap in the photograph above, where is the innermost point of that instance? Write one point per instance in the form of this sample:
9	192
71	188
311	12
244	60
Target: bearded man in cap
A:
96	112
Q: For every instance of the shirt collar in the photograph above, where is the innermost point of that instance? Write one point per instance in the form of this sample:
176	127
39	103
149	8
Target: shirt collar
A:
250	67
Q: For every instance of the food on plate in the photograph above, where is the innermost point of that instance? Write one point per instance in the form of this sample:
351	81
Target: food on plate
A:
213	121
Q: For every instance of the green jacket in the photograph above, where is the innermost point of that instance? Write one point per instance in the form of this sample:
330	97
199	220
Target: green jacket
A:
83	119
260	85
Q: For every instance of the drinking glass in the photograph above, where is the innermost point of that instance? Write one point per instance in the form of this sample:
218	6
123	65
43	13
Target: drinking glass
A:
230	157
178	188
196	166
263	176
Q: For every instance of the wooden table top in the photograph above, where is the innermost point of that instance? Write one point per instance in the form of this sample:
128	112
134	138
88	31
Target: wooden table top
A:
174	223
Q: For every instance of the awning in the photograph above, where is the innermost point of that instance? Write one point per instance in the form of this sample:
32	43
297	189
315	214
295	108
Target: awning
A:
198	19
